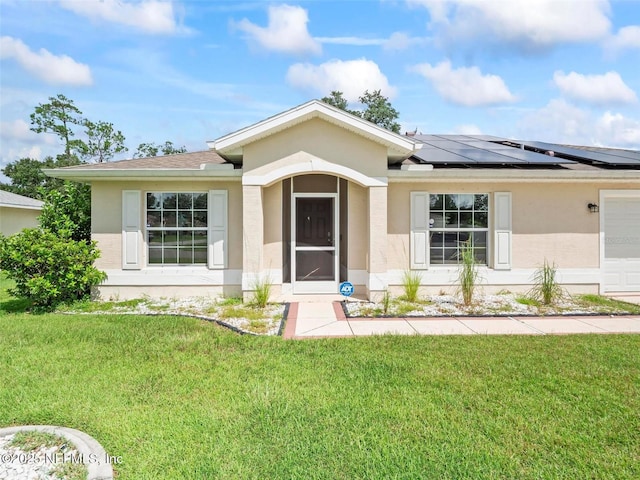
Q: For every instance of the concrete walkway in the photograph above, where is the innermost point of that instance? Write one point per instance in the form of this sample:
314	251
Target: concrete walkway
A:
326	319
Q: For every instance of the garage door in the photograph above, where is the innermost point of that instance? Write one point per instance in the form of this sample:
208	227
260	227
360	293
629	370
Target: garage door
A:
621	243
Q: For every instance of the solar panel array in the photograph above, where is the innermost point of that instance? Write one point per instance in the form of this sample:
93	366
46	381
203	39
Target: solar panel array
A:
478	150
610	156
487	150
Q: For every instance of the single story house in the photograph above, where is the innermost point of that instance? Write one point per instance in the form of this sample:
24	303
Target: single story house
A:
315	196
18	212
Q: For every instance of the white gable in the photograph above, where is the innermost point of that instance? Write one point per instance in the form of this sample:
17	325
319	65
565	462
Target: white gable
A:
398	146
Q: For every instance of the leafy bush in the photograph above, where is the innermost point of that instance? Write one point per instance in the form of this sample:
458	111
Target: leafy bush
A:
67	211
468	275
49	269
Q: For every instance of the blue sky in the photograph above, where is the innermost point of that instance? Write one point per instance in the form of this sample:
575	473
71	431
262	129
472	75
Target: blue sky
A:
191	71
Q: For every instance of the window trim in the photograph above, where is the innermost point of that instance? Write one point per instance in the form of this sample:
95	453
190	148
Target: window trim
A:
148	229
470	230
420	230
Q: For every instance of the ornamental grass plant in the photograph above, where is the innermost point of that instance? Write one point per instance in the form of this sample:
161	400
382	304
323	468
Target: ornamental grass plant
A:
546	289
468	275
410	285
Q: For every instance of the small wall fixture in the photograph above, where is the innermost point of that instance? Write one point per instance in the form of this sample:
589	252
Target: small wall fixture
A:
593	208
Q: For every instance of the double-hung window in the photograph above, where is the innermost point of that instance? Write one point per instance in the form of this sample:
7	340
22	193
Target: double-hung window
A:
177	228
455	219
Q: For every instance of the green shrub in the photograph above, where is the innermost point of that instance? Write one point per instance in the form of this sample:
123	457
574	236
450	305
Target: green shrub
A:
468	275
67	211
49	269
410	284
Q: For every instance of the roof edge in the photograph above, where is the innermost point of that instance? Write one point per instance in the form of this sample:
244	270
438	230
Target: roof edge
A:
513	175
138	173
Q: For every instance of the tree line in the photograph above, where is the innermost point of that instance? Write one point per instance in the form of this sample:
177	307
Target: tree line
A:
82	141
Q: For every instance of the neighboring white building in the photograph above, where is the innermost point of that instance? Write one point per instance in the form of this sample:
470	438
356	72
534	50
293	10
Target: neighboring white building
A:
17	212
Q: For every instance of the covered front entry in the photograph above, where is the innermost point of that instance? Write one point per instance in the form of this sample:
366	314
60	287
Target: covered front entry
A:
309	224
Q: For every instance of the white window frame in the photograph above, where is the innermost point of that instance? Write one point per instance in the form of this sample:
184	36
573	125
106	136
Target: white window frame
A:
470	230
148	229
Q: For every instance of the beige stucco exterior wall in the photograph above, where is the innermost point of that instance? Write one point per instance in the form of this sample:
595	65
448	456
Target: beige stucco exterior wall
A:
106	216
323	140
272	207
13	220
552	222
549	220
358	214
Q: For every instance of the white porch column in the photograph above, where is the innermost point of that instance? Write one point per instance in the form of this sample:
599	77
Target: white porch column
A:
377	261
252	237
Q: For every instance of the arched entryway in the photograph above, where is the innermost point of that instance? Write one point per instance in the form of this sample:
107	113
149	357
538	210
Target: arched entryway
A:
344	238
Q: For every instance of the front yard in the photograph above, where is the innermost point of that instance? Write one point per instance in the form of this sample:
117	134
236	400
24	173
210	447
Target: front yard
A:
179	397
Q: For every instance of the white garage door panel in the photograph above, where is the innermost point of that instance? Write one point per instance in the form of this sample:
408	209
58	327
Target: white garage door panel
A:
622	244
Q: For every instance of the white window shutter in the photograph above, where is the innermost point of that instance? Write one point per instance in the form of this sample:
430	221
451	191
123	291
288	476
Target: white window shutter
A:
502	231
419	240
218	242
131	233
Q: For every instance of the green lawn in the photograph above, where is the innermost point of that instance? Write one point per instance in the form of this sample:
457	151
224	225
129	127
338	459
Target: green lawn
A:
182	398
9	303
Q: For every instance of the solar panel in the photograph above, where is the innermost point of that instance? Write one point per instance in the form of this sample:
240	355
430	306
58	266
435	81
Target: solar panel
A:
491	150
486	156
436	155
455	138
534	158
487	145
606	158
487	138
470	150
617	153
517	153
426	137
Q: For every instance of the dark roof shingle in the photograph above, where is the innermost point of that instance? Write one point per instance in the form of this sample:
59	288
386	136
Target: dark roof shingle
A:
178	161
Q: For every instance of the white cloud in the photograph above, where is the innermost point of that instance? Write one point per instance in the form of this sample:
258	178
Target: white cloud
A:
558	121
526	24
626	38
18	141
467	129
354	41
148	16
286	32
401	41
16	130
53	69
465	86
613	129
562	122
351	77
597	89
396	42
